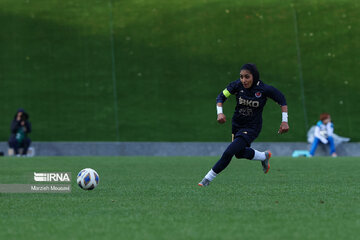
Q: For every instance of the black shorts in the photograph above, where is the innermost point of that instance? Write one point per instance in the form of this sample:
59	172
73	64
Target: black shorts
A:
248	134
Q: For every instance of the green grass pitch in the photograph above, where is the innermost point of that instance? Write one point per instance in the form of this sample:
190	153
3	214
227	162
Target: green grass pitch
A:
158	198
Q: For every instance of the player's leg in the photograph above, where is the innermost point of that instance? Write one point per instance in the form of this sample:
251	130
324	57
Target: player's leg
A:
238	145
314	146
253	154
247	152
239	154
332	146
235	147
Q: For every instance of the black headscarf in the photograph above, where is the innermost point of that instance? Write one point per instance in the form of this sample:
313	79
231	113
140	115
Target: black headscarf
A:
252	68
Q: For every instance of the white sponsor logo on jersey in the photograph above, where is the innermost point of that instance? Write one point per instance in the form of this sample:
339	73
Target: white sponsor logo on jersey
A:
249	103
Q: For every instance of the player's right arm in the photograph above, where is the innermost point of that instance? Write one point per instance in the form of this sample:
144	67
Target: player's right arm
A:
221	118
221	98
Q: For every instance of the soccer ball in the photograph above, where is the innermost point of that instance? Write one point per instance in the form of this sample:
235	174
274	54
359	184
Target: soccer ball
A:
87	179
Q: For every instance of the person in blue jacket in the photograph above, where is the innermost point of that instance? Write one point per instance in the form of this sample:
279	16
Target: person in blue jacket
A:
20	128
324	130
251	96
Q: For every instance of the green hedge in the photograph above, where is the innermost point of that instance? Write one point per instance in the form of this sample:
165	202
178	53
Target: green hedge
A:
151	70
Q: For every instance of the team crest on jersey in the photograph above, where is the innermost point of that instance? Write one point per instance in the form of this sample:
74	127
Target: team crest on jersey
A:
258	94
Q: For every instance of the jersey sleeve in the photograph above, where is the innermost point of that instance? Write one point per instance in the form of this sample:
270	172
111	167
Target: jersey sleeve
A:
229	90
275	95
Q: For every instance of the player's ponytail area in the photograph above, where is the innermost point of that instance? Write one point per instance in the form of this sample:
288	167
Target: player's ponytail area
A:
158	198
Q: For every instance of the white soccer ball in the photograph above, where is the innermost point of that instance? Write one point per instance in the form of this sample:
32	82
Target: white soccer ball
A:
88	179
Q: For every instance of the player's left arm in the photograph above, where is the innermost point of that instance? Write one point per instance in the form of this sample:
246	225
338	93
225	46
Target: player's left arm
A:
278	97
284	126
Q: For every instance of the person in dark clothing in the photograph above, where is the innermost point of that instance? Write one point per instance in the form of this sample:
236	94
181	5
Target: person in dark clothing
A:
20	128
251	96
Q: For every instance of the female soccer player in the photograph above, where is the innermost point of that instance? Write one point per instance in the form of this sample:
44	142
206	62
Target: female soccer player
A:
251	95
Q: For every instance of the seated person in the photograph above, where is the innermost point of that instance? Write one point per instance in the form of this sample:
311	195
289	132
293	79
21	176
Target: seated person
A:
324	133
20	127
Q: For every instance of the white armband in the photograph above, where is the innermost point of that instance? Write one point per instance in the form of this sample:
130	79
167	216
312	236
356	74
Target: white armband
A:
219	109
284	117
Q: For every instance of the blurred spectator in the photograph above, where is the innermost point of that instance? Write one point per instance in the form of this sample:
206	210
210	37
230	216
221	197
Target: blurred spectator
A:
20	128
323	132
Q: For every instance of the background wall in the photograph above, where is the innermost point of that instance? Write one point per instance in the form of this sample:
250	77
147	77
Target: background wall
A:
92	70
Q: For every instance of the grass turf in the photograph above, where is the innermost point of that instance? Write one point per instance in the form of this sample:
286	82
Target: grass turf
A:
158	198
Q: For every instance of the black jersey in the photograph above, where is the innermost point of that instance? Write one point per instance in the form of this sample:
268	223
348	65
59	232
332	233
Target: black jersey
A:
250	103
